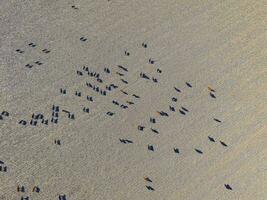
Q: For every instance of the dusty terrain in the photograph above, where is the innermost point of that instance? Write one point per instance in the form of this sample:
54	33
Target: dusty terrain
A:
194	44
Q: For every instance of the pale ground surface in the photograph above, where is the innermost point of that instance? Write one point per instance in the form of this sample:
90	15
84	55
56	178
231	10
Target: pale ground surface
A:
221	44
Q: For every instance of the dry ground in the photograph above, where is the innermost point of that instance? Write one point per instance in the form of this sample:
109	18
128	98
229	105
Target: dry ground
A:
214	43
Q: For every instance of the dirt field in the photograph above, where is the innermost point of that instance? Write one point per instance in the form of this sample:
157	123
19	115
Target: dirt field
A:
144	99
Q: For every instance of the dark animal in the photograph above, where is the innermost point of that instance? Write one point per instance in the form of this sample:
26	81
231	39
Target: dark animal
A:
154	130
144	45
46	51
141	128
212	95
83	39
174	99
223	144
182	112
149	188
217	120
58	142
115	102
151	61
136	96
110	113
152	120
150	147
188	84
62	91
120	74
183	108
5	113
79	73
176	150
21	189
123	68
228	187
124	81
178	90
148	179
86	110
143	75
23	122
211	139
172	108
198	151
62	197
32	44
159	71
36	189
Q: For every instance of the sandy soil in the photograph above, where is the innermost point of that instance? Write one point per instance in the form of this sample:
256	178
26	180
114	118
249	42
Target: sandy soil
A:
211	43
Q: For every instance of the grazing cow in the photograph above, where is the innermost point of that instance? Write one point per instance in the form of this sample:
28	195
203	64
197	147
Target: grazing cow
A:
150	188
172	108
129	102
46	51
85	109
141	128
210	89
228	187
110	113
79	73
62	91
152	120
162	113
159	71
89	98
176	150
150	147
62	197
124	81
225	145
107	70
143	75
58	142
83	39
5	113
217	120
183	108
177	89
188	84
78	93
198	151
212	95
124	92
148	179
154	130
45	121
136	96
182	112
32	44
174	99
211	139
23	122
120	74
115	102
123	68
154	80
21	189
144	45
36	189
151	61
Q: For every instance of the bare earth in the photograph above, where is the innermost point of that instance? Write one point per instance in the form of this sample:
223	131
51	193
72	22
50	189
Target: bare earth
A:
184	44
